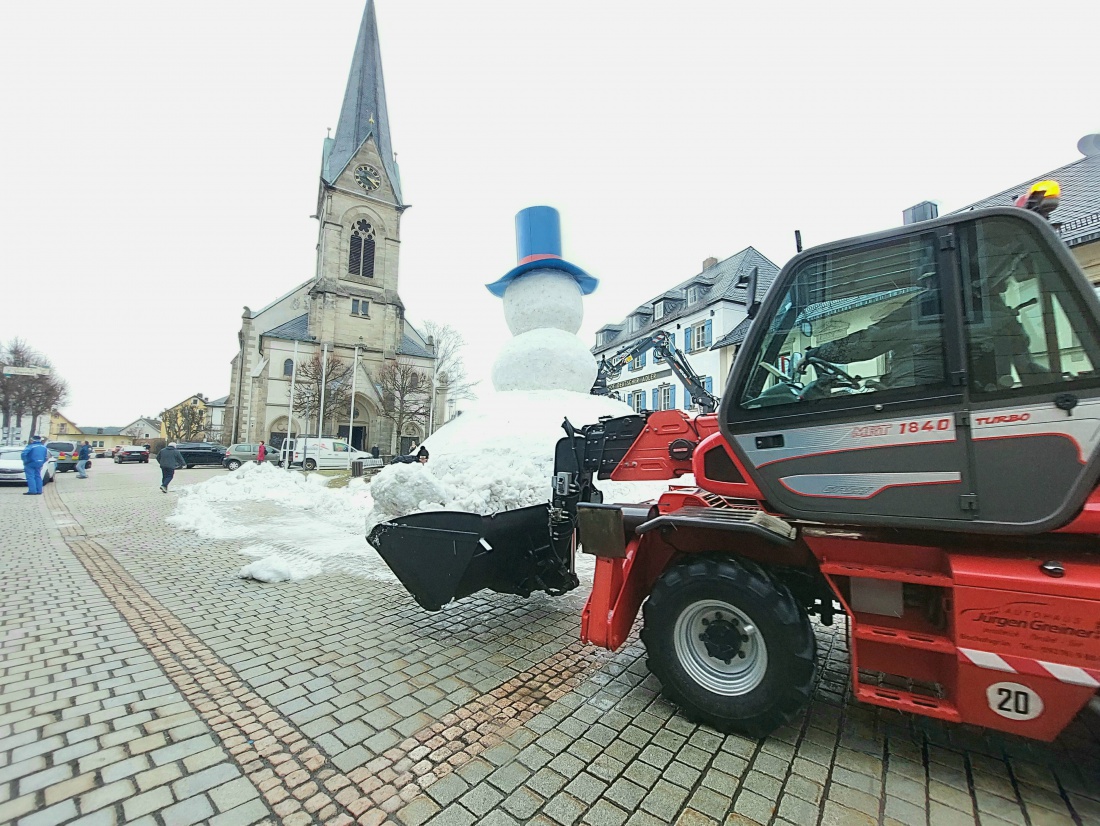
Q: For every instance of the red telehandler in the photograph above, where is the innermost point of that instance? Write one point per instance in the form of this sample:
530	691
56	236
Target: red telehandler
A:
909	436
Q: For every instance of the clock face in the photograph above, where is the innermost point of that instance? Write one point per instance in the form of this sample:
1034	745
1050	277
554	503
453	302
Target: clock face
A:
367	177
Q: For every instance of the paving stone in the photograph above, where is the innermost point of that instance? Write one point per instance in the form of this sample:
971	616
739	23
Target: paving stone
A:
481	799
563	808
192	810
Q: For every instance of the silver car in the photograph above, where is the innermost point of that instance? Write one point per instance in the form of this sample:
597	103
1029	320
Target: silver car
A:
11	467
237	455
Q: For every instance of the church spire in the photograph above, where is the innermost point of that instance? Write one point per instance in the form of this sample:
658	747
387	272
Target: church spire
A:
363	113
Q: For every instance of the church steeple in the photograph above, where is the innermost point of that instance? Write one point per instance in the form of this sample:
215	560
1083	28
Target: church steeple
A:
363	114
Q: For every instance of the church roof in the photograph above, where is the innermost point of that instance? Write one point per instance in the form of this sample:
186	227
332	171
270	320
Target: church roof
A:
363	113
409	347
297	329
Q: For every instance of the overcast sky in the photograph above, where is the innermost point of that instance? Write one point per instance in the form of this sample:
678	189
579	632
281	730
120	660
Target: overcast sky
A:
159	162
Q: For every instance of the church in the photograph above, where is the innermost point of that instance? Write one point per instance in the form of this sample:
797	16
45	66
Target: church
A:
349	312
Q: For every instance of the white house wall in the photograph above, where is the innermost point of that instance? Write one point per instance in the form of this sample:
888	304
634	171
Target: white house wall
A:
705	362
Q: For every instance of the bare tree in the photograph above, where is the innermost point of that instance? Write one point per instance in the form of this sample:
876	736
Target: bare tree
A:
28	394
309	382
184	423
450	368
406	394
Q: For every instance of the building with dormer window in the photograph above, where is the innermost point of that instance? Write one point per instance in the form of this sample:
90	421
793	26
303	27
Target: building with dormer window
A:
699	313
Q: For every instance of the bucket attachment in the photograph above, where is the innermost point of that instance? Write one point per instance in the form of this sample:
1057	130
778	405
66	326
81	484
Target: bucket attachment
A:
444	555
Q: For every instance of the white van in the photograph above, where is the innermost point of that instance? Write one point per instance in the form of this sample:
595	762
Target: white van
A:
312	453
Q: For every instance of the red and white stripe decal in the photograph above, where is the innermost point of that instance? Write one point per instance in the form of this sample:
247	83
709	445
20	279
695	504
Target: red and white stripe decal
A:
1071	674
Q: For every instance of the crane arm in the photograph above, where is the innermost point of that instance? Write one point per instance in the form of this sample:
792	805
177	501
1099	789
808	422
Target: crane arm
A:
660	342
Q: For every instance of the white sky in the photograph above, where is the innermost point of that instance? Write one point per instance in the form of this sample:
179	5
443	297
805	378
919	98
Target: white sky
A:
159	162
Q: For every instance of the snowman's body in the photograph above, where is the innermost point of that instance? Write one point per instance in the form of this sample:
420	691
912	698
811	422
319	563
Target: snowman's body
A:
543	310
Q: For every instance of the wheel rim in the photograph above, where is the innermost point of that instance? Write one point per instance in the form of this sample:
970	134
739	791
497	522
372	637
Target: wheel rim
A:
720	648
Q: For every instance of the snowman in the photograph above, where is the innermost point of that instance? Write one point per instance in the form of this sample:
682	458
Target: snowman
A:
542	305
499	454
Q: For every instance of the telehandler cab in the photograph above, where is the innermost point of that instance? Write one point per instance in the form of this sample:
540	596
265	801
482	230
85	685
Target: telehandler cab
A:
910	436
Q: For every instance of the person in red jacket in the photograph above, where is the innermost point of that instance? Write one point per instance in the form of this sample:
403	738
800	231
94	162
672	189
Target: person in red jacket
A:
261	453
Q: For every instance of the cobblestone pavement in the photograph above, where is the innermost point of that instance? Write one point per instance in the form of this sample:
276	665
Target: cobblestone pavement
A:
142	682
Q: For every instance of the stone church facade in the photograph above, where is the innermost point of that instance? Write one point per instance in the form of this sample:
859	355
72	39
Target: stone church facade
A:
350	309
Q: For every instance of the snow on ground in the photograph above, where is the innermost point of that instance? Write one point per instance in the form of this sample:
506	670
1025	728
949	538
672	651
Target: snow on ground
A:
497	456
297	526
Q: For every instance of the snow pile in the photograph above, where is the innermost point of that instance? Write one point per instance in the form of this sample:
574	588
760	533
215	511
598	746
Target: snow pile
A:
274	568
497	456
543	298
298	525
544	359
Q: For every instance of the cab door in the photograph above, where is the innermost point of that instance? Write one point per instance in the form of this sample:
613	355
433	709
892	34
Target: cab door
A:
1033	388
866	424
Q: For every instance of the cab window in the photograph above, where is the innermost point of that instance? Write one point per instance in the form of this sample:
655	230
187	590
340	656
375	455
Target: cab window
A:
1026	324
855	321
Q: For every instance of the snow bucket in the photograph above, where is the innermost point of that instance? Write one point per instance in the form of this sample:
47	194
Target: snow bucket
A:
440	556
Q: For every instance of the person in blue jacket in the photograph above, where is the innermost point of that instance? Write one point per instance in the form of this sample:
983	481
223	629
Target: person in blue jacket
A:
34	456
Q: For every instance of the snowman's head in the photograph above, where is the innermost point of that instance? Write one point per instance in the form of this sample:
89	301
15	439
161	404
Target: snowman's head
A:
543	298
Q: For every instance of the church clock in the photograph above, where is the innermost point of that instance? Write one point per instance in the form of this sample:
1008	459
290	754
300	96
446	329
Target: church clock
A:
367	177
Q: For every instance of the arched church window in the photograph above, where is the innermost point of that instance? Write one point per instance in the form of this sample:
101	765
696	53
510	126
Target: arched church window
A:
288	367
361	252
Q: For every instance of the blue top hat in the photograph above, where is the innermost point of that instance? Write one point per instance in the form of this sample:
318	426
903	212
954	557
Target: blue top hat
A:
538	247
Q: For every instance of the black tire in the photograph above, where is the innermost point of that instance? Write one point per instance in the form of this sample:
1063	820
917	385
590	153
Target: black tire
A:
190	466
232	464
310	464
769	674
118	461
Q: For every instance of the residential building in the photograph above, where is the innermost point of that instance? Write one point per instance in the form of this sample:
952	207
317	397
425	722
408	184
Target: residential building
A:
61	426
21	428
215	427
700	314
142	428
1077	218
185	421
350	310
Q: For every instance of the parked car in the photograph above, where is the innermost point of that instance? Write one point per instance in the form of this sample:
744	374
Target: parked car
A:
313	453
237	455
101	452
66	453
201	453
132	453
11	467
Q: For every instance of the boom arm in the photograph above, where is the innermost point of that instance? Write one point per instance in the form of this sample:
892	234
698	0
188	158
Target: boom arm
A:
661	343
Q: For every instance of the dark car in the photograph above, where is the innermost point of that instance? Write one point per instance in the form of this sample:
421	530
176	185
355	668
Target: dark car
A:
66	453
201	453
132	453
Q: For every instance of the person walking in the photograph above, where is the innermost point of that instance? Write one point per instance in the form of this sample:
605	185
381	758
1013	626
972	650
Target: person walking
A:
170	460
261	453
34	456
83	456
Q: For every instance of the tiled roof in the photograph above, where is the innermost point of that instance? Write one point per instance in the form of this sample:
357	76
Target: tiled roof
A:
408	347
218	402
1077	217
101	431
297	329
722	278
734	336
